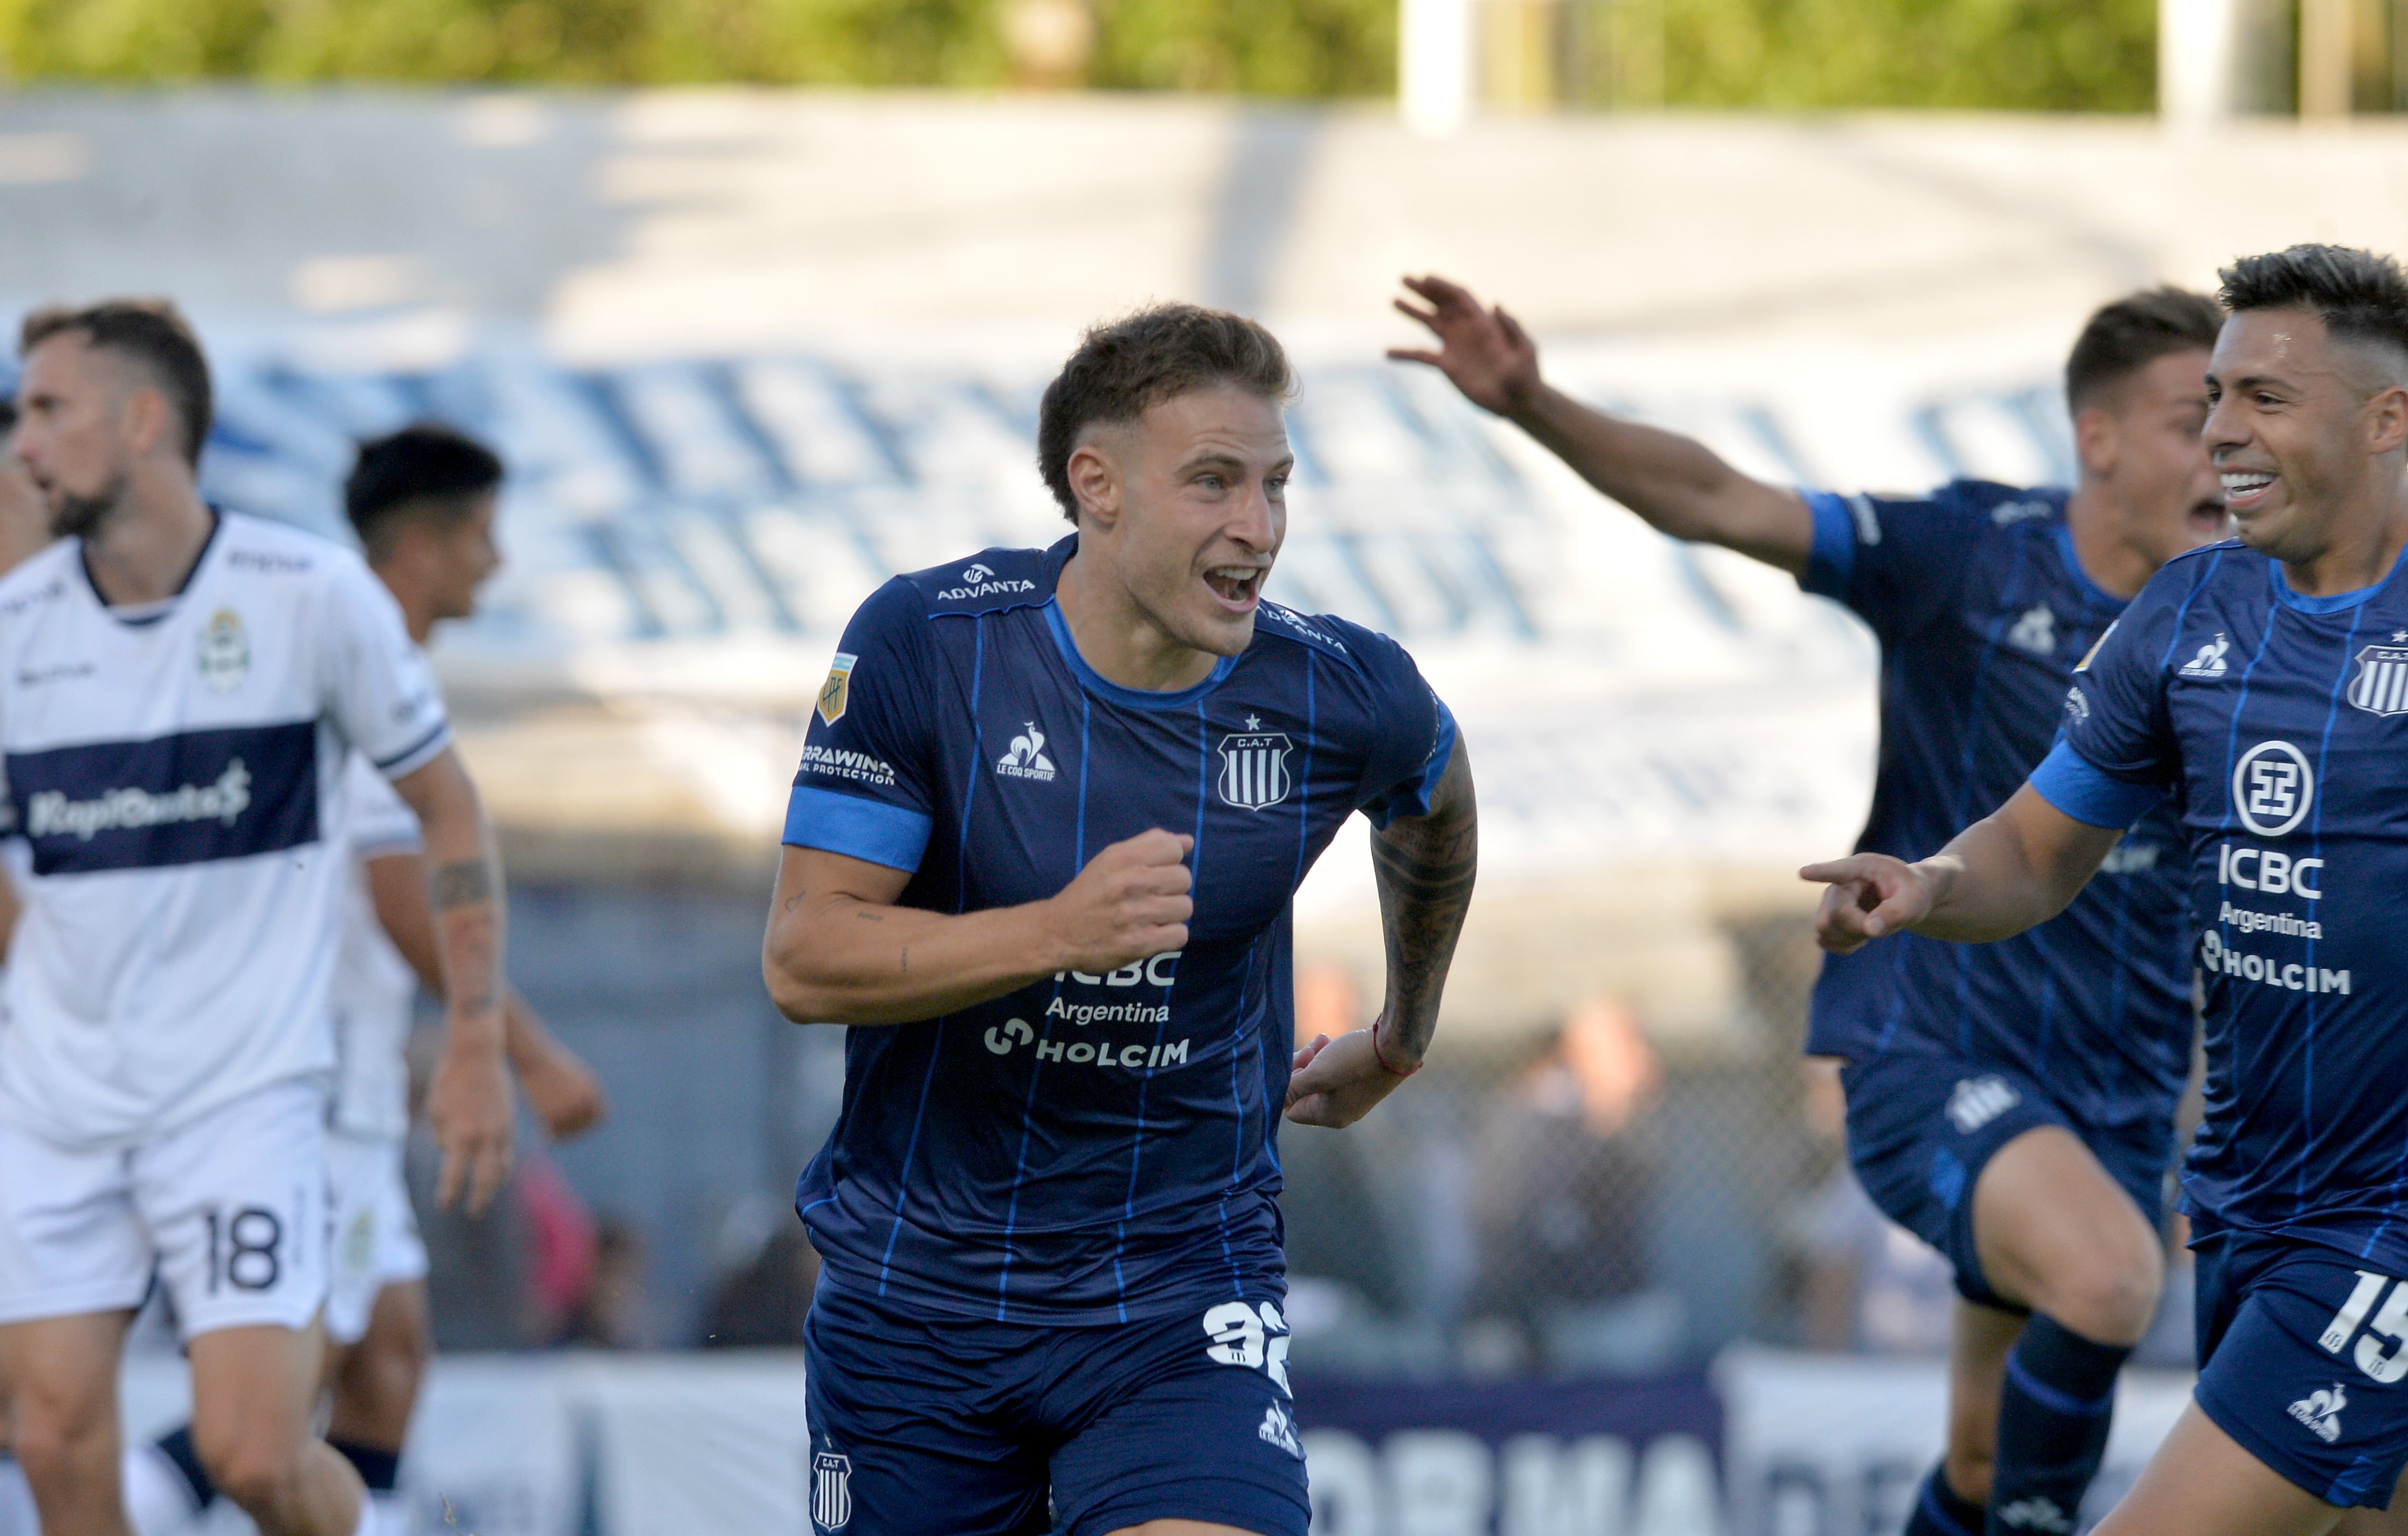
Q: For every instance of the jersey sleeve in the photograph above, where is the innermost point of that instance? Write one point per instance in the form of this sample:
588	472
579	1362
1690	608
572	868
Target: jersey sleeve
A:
382	824
375	681
2116	755
1898	562
1412	734
868	759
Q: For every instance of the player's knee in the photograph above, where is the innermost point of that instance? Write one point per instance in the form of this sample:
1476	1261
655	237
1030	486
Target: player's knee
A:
61	1450
2111	1295
258	1471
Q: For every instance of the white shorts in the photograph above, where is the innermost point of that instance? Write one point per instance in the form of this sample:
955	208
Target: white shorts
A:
376	1233
230	1212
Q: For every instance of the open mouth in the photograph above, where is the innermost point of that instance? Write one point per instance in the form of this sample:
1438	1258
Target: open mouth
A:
1239	586
2245	488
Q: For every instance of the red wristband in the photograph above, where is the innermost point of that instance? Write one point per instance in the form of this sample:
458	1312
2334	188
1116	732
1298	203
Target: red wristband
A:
1384	1060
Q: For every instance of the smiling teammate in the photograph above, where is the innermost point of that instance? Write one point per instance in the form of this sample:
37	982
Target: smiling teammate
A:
179	689
2264	684
2014	1106
1051	811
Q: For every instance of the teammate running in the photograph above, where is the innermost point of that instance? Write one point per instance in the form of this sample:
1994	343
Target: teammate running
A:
423	503
2265	683
179	690
1039	856
2014	1106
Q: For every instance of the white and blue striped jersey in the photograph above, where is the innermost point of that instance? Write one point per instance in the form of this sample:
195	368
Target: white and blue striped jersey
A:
375	990
176	773
2280	724
1088	1149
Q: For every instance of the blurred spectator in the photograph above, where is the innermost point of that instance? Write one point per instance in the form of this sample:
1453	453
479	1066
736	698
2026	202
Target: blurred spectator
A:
1561	1198
1335	1228
565	1248
612	1315
1871	1285
762	1304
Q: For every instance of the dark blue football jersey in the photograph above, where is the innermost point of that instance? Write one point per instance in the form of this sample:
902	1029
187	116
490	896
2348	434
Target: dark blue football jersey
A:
1090	1148
1982	612
2281	722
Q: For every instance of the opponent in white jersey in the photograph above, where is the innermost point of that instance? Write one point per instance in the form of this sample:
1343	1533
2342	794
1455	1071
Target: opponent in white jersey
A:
180	690
422	502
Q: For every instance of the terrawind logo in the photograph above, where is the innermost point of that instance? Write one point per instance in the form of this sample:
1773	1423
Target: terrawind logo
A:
51	814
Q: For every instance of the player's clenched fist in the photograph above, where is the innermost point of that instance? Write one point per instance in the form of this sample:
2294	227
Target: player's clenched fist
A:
1870	894
1129	903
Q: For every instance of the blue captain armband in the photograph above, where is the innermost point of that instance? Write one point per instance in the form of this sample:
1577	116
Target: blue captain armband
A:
858	827
2071	783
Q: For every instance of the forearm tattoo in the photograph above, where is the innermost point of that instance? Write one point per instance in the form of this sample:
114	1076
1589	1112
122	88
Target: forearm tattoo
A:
467	919
458	885
1426	868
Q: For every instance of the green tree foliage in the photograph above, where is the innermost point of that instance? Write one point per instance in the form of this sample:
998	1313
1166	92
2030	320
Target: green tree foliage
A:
2048	54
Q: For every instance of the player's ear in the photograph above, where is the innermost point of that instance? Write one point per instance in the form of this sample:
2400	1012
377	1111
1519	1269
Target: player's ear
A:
2387	420
1095	481
2097	436
147	419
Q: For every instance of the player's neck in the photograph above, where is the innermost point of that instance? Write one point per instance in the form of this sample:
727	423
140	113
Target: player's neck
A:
418	614
145	550
1116	638
2110	561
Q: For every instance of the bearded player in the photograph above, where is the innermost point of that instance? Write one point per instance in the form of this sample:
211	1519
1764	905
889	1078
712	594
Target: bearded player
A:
1040	858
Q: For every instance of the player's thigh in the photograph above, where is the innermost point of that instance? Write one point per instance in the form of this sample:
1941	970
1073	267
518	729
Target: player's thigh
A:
376	1381
71	1240
910	1436
236	1206
1979	1339
60	1375
2201	1483
2055	1231
1187	1421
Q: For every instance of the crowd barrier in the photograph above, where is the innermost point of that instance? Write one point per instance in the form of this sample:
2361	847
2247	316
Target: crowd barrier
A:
1766	1444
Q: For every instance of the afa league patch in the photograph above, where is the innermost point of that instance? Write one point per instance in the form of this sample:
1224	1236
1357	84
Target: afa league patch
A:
832	693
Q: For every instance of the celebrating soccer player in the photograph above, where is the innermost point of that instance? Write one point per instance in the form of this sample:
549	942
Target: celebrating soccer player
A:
180	690
2013	1106
423	501
2264	684
1040	855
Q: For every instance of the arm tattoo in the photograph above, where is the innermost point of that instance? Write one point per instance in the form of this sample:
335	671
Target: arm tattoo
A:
1424	868
458	885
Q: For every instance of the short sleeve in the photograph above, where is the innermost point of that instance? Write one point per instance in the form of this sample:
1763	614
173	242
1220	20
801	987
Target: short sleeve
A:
1899	563
864	786
2117	755
1412	733
375	683
382	824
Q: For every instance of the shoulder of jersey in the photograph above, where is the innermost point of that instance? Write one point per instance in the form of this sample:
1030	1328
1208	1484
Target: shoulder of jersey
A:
1325	633
2220	546
2005	506
259	546
988	581
40	580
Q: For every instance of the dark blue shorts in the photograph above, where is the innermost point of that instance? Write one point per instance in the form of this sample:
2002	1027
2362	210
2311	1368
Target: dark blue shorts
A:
921	1425
2303	1360
1922	1126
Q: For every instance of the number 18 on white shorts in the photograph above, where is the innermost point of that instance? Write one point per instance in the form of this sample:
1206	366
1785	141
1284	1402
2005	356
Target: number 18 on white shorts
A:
230	1209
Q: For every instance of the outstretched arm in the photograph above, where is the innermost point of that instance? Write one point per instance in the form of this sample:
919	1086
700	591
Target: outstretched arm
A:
1425	866
1676	485
840	951
468	1104
2013	870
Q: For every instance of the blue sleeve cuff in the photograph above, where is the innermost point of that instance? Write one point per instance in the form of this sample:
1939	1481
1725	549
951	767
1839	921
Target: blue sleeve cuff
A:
2088	794
1413	799
1833	558
858	827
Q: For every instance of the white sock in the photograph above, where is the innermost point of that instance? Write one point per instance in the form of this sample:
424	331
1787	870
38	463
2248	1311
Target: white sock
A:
158	1500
